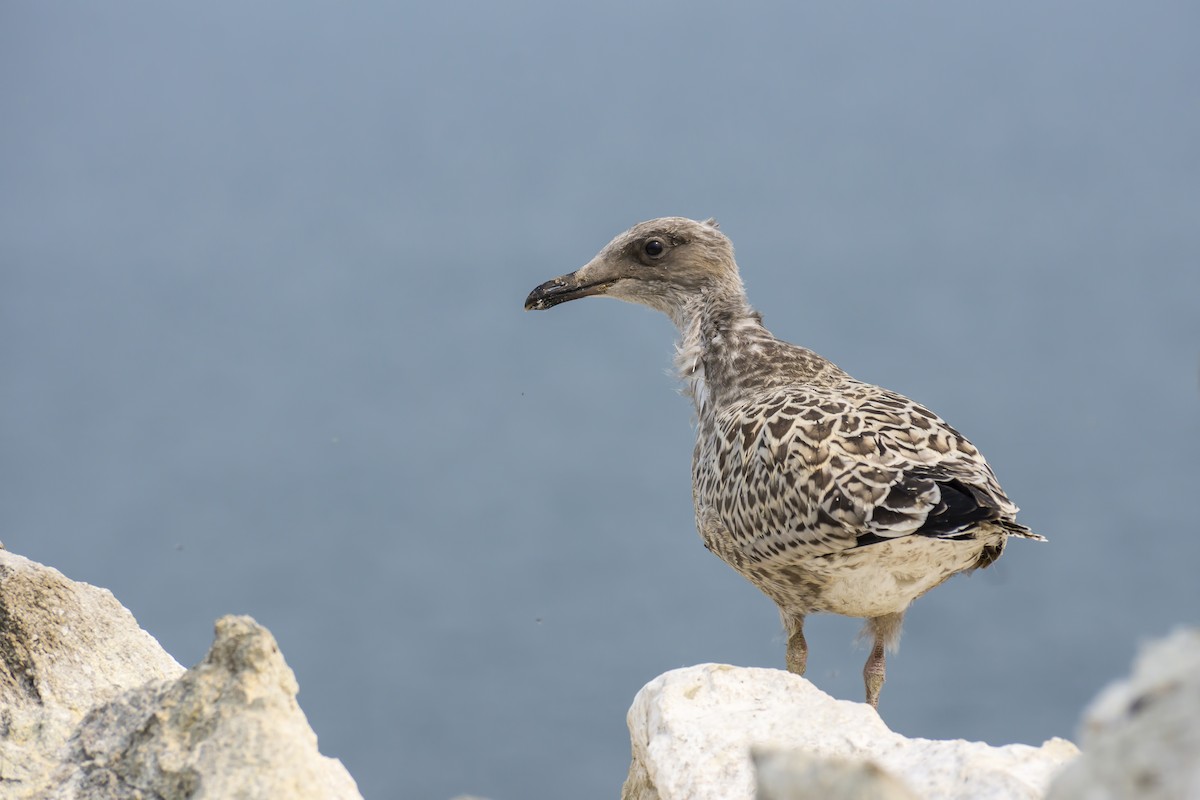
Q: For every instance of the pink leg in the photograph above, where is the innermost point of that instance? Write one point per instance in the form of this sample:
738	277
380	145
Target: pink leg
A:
885	635
874	671
797	648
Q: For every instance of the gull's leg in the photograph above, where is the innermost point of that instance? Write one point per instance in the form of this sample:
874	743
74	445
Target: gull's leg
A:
797	648
885	635
874	672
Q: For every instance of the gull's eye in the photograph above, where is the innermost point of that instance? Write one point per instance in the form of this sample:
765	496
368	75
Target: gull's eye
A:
654	247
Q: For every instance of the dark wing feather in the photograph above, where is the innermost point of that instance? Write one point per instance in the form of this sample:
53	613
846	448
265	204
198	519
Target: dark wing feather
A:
958	508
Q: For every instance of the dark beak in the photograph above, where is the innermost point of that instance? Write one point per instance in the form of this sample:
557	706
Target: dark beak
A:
561	289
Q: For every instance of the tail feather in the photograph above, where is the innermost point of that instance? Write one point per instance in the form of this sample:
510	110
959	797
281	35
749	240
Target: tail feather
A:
1014	529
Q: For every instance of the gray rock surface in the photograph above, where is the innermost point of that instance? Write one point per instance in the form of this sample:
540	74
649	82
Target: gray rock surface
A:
1141	735
91	708
65	647
693	731
797	775
229	727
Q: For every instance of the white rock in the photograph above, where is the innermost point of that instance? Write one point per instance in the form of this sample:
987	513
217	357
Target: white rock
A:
64	647
797	775
228	728
91	708
693	730
1141	735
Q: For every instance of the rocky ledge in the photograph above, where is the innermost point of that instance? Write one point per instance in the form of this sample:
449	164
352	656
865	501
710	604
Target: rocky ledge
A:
91	708
705	731
715	731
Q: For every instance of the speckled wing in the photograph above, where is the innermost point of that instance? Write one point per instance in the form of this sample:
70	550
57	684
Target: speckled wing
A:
811	470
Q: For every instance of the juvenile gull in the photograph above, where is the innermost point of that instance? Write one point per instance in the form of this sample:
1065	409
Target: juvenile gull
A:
827	493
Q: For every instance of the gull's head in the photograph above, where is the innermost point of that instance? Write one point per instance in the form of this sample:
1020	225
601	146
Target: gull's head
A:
662	263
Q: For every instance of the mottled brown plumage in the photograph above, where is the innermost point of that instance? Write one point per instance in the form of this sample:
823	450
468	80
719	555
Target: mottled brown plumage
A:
828	494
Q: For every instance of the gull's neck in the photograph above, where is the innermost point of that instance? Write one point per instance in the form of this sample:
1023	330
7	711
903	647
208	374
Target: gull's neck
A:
725	354
719	334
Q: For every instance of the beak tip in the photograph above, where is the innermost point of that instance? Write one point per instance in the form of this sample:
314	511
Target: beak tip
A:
557	291
543	296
